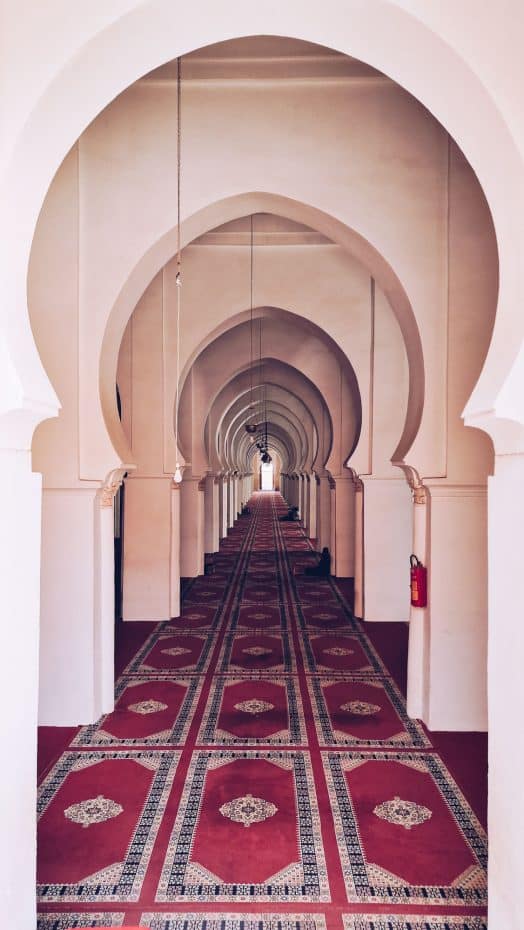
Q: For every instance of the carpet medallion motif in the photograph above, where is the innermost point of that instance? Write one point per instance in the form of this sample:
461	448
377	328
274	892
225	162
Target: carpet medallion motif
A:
248	810
93	810
406	814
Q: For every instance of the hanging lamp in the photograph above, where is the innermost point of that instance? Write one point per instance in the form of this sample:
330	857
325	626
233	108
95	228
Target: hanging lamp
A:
178	471
251	427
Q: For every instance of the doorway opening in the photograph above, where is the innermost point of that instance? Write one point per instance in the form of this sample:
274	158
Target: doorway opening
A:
267	477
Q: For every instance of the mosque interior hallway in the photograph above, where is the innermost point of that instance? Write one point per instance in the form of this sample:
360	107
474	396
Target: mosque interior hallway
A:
260	771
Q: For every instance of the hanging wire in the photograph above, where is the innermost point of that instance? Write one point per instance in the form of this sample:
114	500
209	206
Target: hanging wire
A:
178	248
251	318
251	426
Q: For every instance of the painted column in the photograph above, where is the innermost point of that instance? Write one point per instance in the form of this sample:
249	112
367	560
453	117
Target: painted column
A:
174	606
212	516
388	535
105	582
342	526
20	506
192	527
418	650
223	506
70	593
358	606
306	498
457	599
324	512
302	497
148	530
506	648
312	506
333	524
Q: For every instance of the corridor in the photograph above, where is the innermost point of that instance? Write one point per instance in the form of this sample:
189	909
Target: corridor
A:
260	771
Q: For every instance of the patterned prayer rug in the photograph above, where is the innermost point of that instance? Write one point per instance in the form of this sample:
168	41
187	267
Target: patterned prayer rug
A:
195	617
327	617
172	652
249	652
253	711
261	593
364	712
404	830
106	807
248	828
148	711
256	617
341	654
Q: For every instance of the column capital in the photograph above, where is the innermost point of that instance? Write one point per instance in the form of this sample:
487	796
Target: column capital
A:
111	484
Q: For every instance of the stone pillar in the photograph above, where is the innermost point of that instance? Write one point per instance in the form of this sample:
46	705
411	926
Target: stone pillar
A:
506	649
212	516
236	509
20	506
418	650
388	532
358	605
230	501
175	550
147	548
70	525
192	527
324	512
457	599
223	505
305	498
311	528
105	582
343	526
302	497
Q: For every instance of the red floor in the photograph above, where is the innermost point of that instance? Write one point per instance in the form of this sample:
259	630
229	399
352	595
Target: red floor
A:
259	771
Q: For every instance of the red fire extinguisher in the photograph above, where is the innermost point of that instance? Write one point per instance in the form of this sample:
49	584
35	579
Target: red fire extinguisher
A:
419	583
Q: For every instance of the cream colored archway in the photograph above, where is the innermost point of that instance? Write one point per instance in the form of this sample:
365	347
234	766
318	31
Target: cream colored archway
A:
143	38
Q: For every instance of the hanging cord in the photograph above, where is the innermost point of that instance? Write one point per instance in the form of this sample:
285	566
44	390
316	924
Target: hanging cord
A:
251	268
178	241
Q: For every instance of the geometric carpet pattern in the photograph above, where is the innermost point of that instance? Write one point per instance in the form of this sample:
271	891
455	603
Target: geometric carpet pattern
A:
259	771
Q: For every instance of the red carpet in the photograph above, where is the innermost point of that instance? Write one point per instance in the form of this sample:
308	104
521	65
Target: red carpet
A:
259	771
